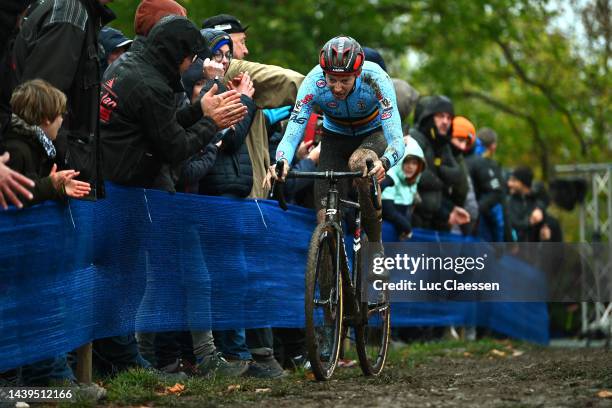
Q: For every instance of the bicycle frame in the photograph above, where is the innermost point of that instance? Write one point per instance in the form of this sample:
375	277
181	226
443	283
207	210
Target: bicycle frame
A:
332	215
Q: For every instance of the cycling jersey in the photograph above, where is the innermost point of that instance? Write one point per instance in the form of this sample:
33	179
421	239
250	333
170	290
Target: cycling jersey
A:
368	107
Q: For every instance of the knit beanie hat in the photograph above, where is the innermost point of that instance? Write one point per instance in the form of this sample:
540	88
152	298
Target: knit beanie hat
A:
523	174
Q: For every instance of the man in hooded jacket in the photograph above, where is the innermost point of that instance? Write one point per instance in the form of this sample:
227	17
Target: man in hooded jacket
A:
141	127
142	131
433	118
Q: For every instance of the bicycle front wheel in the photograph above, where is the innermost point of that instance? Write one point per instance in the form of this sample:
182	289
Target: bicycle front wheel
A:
323	302
372	334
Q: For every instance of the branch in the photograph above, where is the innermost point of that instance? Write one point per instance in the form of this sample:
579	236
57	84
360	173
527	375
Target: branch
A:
546	91
531	121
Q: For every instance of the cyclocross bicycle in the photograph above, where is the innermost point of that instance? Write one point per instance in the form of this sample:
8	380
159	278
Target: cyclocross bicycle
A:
335	297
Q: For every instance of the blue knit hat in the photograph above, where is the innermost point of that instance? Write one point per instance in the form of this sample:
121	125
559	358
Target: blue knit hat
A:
374	56
216	39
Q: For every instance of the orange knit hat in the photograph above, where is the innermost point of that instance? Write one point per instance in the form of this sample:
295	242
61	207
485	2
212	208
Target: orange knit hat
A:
464	129
149	12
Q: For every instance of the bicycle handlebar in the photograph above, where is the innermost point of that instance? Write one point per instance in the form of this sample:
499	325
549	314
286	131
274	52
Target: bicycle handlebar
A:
277	193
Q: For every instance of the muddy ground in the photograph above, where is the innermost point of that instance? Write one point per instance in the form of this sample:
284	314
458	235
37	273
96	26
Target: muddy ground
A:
485	373
545	377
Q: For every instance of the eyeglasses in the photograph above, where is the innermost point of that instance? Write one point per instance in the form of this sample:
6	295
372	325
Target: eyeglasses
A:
218	55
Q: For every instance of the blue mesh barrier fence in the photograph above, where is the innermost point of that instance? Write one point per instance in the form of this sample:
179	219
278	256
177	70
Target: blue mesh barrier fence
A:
144	260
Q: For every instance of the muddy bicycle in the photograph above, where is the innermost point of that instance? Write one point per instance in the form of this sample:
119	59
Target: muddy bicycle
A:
335	294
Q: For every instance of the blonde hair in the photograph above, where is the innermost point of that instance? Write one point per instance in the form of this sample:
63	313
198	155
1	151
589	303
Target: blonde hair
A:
36	101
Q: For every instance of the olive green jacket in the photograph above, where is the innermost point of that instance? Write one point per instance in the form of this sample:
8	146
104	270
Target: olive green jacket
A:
274	87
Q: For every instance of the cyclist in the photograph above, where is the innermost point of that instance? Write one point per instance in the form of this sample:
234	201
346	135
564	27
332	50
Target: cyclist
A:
360	121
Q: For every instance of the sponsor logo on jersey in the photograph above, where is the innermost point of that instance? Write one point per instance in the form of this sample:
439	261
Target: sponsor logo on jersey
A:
298	107
386	115
386	103
308	98
361	104
332	105
321	83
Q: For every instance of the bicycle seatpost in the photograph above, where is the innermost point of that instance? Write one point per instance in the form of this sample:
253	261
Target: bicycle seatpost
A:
373	185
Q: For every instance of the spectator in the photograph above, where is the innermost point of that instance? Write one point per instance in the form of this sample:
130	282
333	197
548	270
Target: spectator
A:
407	98
400	189
464	136
232	26
372	55
526	210
37	116
208	359
74	69
12	184
300	191
432	120
113	44
231	176
232	173
11	13
141	128
487	178
275	86
193	352
148	13
198	166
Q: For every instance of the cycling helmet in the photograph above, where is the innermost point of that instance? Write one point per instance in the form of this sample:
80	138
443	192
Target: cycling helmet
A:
341	55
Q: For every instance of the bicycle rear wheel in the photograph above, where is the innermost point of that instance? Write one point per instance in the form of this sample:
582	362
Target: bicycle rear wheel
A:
323	302
372	334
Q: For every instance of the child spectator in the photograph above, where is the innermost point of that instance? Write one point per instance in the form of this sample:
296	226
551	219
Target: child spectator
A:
37	116
200	164
400	189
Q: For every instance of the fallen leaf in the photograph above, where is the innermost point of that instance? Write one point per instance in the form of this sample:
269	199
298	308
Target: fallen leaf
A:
467	354
517	353
310	376
604	394
175	389
346	363
258	390
233	387
498	353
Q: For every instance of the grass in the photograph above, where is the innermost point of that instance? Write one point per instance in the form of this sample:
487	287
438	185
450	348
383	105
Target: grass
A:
139	387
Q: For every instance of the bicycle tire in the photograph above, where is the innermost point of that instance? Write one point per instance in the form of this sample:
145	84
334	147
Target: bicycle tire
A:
321	254
373	332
